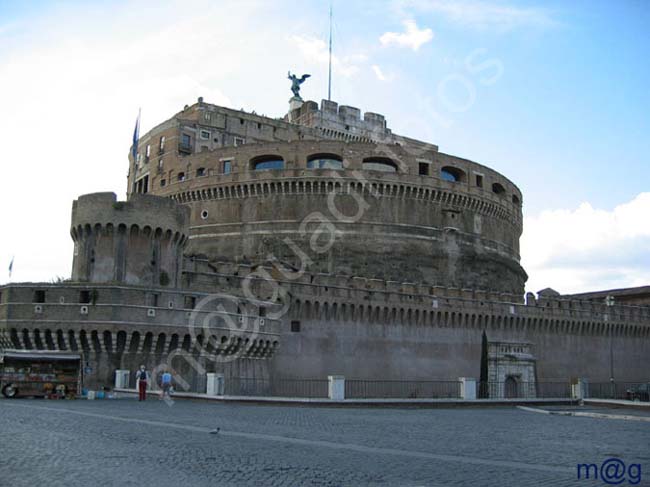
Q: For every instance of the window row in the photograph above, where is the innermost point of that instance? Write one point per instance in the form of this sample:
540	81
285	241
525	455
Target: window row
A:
85	296
269	162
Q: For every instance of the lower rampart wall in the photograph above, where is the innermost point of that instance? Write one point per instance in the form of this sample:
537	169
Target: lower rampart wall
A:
355	327
357	349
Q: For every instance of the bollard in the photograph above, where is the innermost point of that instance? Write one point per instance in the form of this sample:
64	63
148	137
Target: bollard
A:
214	384
122	379
336	389
467	388
579	389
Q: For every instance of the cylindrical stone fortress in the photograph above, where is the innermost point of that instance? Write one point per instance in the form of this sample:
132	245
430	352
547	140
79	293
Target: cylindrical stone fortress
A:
386	212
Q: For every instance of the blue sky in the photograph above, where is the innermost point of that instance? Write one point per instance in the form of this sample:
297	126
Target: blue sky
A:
552	94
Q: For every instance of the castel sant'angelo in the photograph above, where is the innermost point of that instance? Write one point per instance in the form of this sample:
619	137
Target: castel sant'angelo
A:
320	243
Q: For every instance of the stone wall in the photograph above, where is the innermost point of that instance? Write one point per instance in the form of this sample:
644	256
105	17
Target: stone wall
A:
368	328
432	230
123	326
140	241
328	324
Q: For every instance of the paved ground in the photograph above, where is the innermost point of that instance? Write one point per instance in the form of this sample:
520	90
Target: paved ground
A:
123	442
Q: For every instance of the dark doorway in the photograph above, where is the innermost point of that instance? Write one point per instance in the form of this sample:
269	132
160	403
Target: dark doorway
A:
511	388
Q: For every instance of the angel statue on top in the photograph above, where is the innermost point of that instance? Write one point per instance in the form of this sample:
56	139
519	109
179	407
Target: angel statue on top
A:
296	82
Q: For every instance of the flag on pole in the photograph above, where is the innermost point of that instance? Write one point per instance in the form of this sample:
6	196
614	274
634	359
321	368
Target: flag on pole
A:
136	137
11	267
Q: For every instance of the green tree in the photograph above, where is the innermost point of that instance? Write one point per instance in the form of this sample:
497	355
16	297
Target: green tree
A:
483	381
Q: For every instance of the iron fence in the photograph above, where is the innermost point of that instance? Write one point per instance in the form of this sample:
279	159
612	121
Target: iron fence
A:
304	388
523	390
420	389
401	389
633	391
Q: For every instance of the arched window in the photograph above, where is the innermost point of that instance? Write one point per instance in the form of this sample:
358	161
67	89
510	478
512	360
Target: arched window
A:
267	162
324	161
515	199
453	174
498	188
383	164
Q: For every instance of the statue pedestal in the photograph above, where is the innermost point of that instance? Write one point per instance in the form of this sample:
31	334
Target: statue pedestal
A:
295	102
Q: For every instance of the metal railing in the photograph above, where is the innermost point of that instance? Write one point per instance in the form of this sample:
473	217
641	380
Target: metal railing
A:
523	390
633	391
303	388
401	389
415	389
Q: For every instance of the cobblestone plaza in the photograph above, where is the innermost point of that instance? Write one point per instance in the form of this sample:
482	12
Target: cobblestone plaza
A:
123	442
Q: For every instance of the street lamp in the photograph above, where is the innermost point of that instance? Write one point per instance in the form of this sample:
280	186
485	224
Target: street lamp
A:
609	302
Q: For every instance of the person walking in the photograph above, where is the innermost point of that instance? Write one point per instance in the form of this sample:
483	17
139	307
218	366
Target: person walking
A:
142	377
166	383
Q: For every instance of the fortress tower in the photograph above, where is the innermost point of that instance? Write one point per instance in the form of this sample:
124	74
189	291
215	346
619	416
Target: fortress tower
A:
140	241
398	209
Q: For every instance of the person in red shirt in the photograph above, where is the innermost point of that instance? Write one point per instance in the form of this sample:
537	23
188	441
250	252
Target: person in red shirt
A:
142	377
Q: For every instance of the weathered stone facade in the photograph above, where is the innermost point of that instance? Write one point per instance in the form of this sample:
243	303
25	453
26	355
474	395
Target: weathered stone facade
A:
324	246
442	220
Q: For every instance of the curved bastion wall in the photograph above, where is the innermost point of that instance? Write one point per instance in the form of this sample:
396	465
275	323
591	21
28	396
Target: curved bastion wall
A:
139	241
367	209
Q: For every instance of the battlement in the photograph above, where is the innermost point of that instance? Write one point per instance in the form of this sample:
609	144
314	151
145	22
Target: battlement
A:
377	292
142	210
139	241
338	121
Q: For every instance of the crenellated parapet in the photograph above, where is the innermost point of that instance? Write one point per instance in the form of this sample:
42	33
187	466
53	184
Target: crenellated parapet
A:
119	319
139	241
349	298
442	220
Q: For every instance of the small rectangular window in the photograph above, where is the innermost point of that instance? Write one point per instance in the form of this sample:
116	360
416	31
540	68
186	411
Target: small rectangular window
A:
162	143
262	311
163	182
479	181
148	150
205	135
84	297
239	141
226	167
200	172
295	326
190	302
185	140
39	296
423	169
153	300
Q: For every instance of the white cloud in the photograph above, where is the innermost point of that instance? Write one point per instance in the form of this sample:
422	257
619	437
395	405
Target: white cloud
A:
587	249
413	37
316	50
72	82
482	14
379	73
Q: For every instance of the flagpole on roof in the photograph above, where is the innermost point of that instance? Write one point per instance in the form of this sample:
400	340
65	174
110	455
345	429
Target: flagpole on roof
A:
136	136
329	69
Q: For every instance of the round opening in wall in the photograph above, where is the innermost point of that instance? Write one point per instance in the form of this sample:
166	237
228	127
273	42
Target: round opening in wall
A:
204	214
